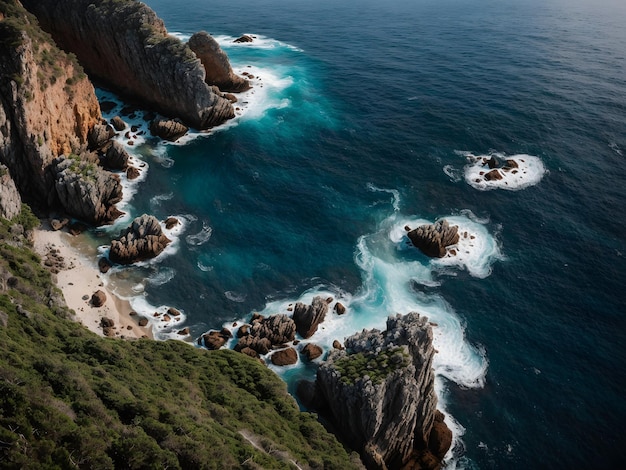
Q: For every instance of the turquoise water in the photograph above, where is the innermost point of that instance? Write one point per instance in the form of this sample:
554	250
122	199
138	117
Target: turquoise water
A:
362	121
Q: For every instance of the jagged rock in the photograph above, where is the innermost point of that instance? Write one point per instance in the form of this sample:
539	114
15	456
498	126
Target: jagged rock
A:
104	265
168	129
380	393
230	97
166	318
57	224
118	124
285	357
173	312
244	38
493	175
85	190
337	345
311	351
214	340
216	64
308	317
440	438
98	298
244	330
493	162
132	173
99	135
171	222
10	200
142	240
184	331
340	308
115	158
433	239
127	47
267	332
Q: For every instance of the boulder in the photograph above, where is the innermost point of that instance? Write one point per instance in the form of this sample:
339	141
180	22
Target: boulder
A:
143	321
216	64
58	224
98	299
214	340
493	162
285	357
184	331
311	351
104	265
118	124
267	332
433	239
337	345
171	222
308	317
168	129
493	175
107	322
173	312
340	309
132	173
142	240
244	38
116	157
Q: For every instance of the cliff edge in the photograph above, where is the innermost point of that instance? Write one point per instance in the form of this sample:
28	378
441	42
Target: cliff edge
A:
380	395
125	45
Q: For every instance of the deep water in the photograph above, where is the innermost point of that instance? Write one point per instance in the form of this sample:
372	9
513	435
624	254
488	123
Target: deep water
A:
360	124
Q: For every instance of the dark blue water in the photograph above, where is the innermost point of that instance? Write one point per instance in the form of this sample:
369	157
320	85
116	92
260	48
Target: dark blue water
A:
364	106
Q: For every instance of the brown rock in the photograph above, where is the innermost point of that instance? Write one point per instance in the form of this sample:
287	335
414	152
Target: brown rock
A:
116	157
312	351
244	38
440	438
337	345
168	129
184	331
433	239
107	322
244	330
340	308
171	222
104	265
98	299
308	317
166	318
173	312
249	352
57	224
214	340
142	240
511	164
493	162
118	124
143	321
285	357
132	173
493	175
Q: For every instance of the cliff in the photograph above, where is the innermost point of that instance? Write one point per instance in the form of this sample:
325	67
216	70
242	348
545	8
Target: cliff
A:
124	44
380	395
48	109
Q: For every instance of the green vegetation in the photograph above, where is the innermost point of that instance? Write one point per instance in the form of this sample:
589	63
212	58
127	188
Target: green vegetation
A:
376	366
69	398
26	218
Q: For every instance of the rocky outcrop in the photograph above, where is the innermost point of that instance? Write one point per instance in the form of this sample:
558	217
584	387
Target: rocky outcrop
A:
125	44
244	38
265	333
85	190
311	351
47	106
142	240
381	397
115	157
433	239
308	317
168	129
285	357
216	64
215	339
10	200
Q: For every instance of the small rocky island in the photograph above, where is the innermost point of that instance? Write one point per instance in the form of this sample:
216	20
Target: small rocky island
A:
434	239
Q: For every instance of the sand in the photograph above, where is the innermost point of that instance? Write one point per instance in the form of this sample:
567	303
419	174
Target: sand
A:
79	279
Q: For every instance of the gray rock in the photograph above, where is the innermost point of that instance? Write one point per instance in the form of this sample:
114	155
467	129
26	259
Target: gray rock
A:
308	317
433	239
115	158
118	124
168	129
142	240
10	200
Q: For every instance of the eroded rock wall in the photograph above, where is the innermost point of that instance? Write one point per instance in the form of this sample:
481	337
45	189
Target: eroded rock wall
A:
124	44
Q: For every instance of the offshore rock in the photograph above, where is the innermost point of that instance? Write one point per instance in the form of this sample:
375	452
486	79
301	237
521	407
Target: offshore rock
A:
47	106
116	157
433	239
10	200
311	351
285	357
118	124
244	38
381	397
168	129
267	332
142	240
308	317
85	190
124	44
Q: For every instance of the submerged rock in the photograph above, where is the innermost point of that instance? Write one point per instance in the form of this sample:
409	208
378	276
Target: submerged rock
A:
381	397
142	240
433	239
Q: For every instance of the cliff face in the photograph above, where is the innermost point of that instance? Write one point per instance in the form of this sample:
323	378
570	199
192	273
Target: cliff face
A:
125	44
380	393
10	200
48	109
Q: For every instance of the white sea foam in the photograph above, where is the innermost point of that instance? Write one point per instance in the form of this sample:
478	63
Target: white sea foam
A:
235	296
201	237
530	170
394	192
161	276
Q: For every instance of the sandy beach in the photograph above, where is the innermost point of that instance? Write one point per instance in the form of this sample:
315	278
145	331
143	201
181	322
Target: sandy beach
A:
79	278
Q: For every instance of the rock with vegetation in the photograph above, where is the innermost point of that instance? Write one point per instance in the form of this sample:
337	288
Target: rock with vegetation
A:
85	190
142	240
381	397
216	64
125	44
71	399
48	107
433	239
10	200
308	317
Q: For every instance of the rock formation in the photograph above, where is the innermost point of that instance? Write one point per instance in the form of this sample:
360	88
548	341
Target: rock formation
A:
168	129
265	333
380	393
142	240
311	351
85	190
125	44
433	239
216	64
285	357
308	317
115	157
47	106
10	200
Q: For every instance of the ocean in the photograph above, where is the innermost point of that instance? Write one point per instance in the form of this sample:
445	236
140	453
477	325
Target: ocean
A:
368	116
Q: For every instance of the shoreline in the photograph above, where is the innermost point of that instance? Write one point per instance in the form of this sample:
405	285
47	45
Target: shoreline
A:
79	278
